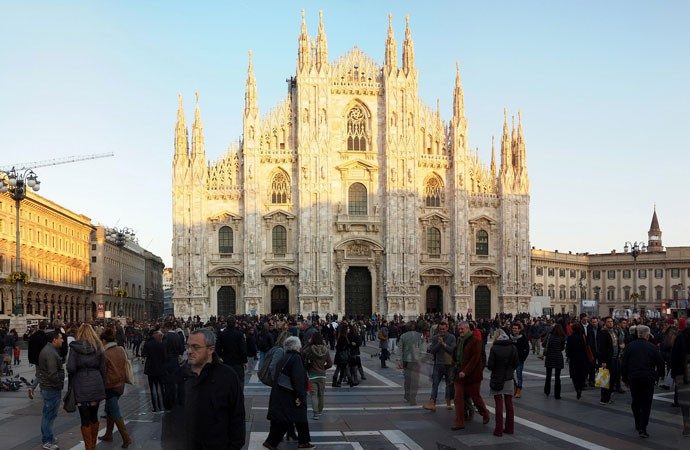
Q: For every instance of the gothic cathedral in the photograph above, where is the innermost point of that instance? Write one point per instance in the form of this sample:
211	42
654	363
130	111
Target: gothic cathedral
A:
351	197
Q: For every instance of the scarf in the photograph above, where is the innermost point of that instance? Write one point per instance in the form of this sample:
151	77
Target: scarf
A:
460	347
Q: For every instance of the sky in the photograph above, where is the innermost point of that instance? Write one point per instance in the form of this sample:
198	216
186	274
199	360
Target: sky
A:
603	87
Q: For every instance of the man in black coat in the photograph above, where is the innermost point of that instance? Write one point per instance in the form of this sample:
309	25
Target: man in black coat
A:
36	343
592	333
154	368
214	402
641	369
608	352
232	349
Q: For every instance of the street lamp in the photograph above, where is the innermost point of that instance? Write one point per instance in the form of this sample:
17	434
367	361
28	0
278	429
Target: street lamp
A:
635	249
119	237
15	182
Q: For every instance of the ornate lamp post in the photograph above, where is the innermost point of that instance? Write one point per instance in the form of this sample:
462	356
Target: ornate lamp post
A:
16	183
119	237
635	249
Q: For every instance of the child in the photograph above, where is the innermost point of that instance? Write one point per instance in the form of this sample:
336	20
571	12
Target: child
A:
17	355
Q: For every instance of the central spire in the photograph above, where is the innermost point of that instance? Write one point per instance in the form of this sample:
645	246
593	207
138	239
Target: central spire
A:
198	150
408	49
321	45
391	62
458	96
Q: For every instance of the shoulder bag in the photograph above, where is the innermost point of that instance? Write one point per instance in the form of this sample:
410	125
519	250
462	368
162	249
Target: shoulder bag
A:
588	351
70	401
283	380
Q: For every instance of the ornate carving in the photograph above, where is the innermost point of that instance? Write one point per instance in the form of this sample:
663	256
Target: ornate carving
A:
356	249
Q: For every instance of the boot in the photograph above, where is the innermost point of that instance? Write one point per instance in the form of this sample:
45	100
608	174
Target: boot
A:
94	434
108	436
498	400
430	405
510	418
449	406
86	432
126	439
518	392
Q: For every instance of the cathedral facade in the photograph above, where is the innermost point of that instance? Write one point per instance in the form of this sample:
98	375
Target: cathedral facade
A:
351	196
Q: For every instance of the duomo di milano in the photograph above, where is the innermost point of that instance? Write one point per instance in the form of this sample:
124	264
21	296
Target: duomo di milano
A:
351	196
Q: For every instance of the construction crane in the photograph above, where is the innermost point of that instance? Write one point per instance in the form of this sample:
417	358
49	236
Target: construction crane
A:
53	162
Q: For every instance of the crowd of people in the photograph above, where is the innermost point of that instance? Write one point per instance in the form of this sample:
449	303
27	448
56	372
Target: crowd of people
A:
200	366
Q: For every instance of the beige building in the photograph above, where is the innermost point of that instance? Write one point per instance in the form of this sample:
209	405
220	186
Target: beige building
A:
351	196
54	253
127	281
659	275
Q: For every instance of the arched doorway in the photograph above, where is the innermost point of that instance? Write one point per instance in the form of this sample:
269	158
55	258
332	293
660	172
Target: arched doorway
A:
280	300
482	302
434	299
226	301
358	292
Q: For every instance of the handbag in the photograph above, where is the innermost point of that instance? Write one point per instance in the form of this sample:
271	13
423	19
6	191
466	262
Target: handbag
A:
496	385
129	371
588	352
70	401
283	380
602	378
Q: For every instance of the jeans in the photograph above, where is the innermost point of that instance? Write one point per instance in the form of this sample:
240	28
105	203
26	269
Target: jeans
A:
51	402
391	344
318	391
157	393
442	371
112	407
518	374
642	393
411	375
557	382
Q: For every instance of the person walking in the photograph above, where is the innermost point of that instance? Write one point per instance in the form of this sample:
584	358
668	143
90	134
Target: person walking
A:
641	368
553	359
502	362
442	348
607	353
410	349
214	401
342	358
468	363
680	356
51	377
522	346
317	360
86	367
382	336
154	369
37	341
115	377
232	349
288	400
578	364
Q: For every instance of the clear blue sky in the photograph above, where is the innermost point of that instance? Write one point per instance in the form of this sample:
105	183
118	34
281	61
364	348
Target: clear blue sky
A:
604	88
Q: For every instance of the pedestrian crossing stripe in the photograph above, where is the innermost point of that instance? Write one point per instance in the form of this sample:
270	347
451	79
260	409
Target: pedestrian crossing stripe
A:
395	437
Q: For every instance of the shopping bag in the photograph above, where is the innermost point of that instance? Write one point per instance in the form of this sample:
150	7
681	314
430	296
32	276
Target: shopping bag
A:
602	378
668	381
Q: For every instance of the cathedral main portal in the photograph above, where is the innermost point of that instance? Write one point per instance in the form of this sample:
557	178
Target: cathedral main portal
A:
358	292
482	302
227	301
280	300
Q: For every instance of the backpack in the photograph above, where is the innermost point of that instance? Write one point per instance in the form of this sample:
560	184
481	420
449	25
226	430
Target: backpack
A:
269	365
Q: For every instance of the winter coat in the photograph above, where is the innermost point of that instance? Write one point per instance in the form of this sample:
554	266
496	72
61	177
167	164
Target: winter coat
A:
472	361
503	359
443	355
342	350
232	347
680	354
282	404
522	345
115	367
36	343
154	352
317	360
642	361
86	368
265	341
50	373
604	346
553	352
214	408
576	351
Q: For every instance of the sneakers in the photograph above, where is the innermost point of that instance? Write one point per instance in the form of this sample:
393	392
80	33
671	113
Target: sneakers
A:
644	434
50	446
307	445
315	416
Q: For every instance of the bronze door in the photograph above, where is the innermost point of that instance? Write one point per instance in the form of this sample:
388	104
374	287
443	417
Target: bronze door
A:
434	299
482	303
227	302
280	300
358	292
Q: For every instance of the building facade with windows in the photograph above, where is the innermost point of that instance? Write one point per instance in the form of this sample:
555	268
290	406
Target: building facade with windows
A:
351	196
54	253
657	279
127	281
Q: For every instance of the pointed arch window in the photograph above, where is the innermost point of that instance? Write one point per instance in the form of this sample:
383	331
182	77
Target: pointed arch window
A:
225	240
433	193
433	242
280	188
482	245
356	130
357	200
279	240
